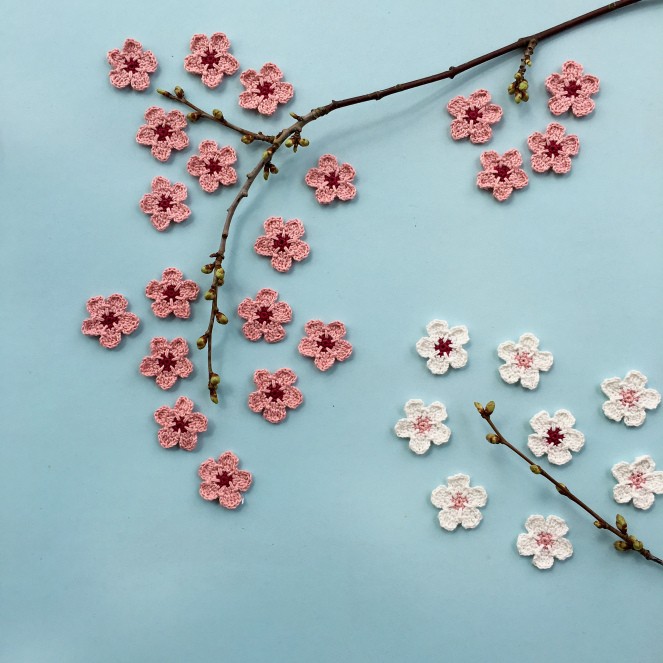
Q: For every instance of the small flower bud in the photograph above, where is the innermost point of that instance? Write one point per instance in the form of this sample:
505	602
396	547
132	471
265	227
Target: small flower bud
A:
621	545
207	269
511	89
247	140
479	407
638	545
214	380
490	407
304	142
213	396
289	142
222	318
528	62
492	438
193	117
220	272
632	538
209	295
620	521
160	91
561	489
273	169
523	86
535	469
266	154
179	92
518	76
597	523
518	97
525	96
217	114
201	342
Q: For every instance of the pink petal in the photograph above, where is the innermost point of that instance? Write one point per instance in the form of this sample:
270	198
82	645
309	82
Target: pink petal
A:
292	397
228	498
197	422
96	306
555	84
249	100
199	43
324	361
518	179
315	177
189	290
148	62
335	329
458	105
117	303
460	129
299	250
266	297
590	84
166	380
208	183
325	195
164	416
208	470
228	462
559	104
149	203
281	262
219	41
120	78
512	158
572	70
193	65
183	368
491	113
176	119
479	98
179	212
227	175
502	191
267	105
294	228
110	338
285	376
274	225
128	323
328	163
262	378
582	106
158	345
541	162
228	64
140	81
489	159
248	78
179	140
281	312
342	350
92	327
183	406
345	191
247	308
274	412
283	92
149	367
570	145
242	480
555	131
308	347
178	192
115	57
314	328
253	331
160	221
274	332
168	438
145	135
209	491
486	180
196	166
271	73
257	401
155	115
562	164
179	347
480	133
536	142
161	151
226	155
188	441
346	173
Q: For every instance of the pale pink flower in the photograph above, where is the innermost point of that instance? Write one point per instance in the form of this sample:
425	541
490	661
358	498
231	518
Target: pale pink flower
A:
637	481
212	166
180	425
165	203
163	132
109	319
628	398
325	343
167	361
131	66
223	481
571	90
523	361
555	436
423	425
553	149
172	294
331	180
474	116
264	90
458	503
264	316
275	393
210	58
545	541
281	242
502	174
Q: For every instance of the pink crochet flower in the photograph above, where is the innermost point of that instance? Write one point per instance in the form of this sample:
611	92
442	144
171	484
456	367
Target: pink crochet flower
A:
211	58
571	89
213	166
264	316
281	242
264	90
331	180
109	319
172	294
502	174
165	203
223	481
275	393
131	66
553	149
180	425
164	132
324	343
167	362
474	116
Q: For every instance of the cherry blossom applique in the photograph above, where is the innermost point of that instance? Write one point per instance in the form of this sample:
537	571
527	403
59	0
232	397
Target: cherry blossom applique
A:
165	203
555	436
331	181
423	425
109	319
264	90
264	316
131	66
523	361
443	347
163	132
210	58
223	481
275	394
474	116
502	174
637	481
544	541
213	166
180	425
324	343
553	149
281	242
628	398
571	90
172	294
458	503
167	361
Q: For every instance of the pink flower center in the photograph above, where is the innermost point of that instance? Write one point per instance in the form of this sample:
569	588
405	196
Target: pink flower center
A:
443	347
459	501
165	202
109	320
472	114
554	436
629	397
163	131
637	480
171	292
572	88
423	425
545	539
264	314
553	148
325	342
274	392
179	425
131	65
281	242
523	359
502	171
213	166
264	89
210	59
223	479
332	179
167	362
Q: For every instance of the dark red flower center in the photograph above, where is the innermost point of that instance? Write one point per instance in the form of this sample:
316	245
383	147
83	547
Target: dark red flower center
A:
554	436
265	89
553	148
332	179
572	88
213	166
165	202
171	292
223	479
325	342
167	362
179	425
502	171
282	242
264	314
443	347
473	114
210	59
131	65
109	320
274	392
163	131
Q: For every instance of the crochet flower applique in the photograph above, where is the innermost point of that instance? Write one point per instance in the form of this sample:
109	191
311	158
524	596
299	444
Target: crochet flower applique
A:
458	503
264	316
212	166
167	361
423	425
637	481
325	343
165	203
502	174
172	294
109	319
331	181
571	90
223	481
628	398
544	541
264	90
555	436
474	116
523	361
443	347
210	58
164	132
553	149
281	242
275	394
131	66
180	425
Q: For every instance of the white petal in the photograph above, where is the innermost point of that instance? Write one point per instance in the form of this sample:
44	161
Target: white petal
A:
534	524
621	471
556	526
440	497
426	347
559	455
437	328
530	378
404	428
529	342
644	464
440	434
611	387
506	350
458	482
643	500
438	365
413	408
537	446
565	419
543	560
420	445
574	440
650	399
635	380
477	496
458	358
449	519
622	493
509	373
562	549
542	360
437	412
470	517
655	482
635	417
613	410
459	335
541	422
526	544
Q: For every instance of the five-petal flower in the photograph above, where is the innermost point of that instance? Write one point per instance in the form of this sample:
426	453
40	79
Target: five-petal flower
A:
109	319
325	343
131	66
423	425
502	174
628	398
474	116
163	132
553	149
545	541
281	242
180	425
172	294
223	480
331	180
555	436
458	503
443	347
264	90
264	316
571	90
212	166
275	393
165	203
523	360
167	361
637	481
210	58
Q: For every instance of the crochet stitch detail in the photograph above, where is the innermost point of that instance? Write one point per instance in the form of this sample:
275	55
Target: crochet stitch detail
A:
212	166
131	66
544	541
109	319
167	361
281	242
423	425
331	181
637	481
474	116
264	90
223	480
165	203
275	394
571	90
553	149
210	58
502	174
628	398
523	361
458	503
443	347
555	436
164	132
172	294
264	316
180	425
324	343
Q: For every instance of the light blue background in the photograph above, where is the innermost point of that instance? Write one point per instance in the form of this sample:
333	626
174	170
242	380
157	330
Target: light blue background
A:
109	554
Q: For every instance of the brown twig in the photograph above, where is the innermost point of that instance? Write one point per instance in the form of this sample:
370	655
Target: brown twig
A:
627	541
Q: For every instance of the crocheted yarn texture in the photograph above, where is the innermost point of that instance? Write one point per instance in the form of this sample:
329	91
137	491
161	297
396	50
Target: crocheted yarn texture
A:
109	319
165	203
275	394
264	316
224	481
264	89
131	66
210	58
474	116
180	425
281	242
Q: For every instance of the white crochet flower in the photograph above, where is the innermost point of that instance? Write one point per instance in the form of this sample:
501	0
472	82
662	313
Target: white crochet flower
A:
523	361
629	398
637	482
443	347
555	436
544	540
423	425
459	503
